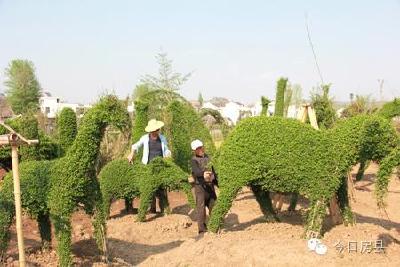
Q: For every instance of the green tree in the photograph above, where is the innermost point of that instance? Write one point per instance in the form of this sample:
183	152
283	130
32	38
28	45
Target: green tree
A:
264	105
139	91
359	105
297	97
200	99
166	79
280	96
323	105
23	89
287	99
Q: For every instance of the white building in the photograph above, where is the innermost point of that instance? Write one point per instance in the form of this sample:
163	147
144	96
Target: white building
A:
50	106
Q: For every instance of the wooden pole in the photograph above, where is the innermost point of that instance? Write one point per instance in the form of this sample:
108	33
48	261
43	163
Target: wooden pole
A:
18	209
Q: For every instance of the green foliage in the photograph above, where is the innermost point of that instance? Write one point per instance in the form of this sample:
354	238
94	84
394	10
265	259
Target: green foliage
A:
287	99
181	123
139	91
361	105
200	99
386	168
285	155
166	79
184	126
66	128
23	89
280	97
141	119
56	187
262	149
390	109
121	180
323	106
264	104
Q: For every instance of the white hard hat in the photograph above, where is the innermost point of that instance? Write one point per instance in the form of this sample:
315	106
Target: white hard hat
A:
196	144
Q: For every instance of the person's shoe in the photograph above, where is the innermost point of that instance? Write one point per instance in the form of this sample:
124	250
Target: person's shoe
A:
153	211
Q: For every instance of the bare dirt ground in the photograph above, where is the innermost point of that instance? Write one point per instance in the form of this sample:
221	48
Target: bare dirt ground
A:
245	240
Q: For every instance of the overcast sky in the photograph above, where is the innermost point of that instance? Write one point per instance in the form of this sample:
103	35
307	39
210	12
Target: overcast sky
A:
236	49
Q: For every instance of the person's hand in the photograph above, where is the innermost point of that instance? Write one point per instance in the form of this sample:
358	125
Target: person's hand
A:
168	154
131	157
208	175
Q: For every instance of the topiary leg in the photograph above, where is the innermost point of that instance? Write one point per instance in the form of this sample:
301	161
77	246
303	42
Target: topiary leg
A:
363	166
44	224
265	203
164	202
222	206
7	213
315	218
293	202
128	205
344	203
100	229
62	226
145	200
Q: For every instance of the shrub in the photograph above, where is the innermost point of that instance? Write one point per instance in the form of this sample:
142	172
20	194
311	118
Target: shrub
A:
66	128
323	106
390	109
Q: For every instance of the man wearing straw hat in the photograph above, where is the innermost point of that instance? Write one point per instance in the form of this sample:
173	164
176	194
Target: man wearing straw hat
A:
154	145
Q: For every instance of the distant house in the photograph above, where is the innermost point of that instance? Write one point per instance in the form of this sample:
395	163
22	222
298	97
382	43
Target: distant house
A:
5	109
50	106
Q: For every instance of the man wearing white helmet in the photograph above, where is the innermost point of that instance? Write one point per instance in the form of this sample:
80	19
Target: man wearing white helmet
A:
204	181
154	145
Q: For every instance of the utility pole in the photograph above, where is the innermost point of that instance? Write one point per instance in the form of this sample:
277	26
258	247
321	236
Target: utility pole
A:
381	81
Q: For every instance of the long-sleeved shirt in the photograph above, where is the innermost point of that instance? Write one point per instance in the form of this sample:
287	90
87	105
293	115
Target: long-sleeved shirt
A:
144	141
199	166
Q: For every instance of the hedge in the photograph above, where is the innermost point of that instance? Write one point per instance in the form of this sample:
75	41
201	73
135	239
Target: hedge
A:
64	182
285	155
391	109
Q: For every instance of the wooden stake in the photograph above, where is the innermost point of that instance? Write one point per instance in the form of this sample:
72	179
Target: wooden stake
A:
18	209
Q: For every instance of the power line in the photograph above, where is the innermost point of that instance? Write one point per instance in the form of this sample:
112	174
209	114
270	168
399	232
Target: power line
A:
312	48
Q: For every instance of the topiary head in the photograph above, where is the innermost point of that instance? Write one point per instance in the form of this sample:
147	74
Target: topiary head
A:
171	175
378	138
113	112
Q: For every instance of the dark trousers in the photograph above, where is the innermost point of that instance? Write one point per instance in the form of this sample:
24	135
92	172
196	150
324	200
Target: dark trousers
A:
161	194
205	197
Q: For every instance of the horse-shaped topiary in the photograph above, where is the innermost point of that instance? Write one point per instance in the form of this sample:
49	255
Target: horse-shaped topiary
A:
52	190
285	155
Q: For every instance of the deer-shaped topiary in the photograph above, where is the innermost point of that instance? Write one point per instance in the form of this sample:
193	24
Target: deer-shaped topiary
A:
52	190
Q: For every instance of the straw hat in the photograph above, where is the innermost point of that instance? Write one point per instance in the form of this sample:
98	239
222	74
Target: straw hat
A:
153	125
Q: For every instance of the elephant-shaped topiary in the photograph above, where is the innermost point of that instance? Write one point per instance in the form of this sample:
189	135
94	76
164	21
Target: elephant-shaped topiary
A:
121	180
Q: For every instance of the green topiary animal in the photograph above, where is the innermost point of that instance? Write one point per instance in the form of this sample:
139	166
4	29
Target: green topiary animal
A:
119	180
52	190
284	155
